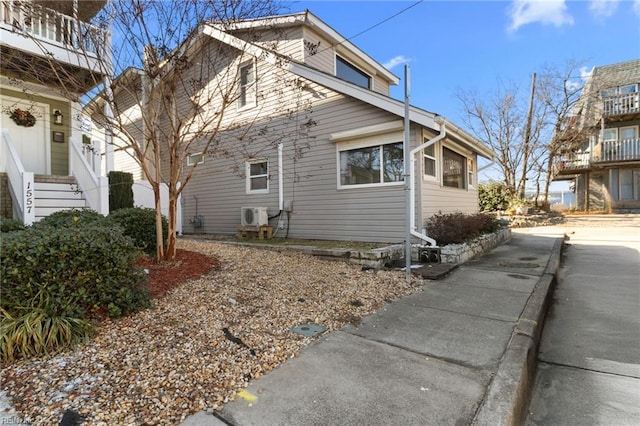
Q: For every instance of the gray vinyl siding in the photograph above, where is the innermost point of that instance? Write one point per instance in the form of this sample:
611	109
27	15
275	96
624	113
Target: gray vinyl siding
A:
323	58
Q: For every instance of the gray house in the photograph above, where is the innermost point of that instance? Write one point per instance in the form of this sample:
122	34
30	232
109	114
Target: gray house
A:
605	168
319	141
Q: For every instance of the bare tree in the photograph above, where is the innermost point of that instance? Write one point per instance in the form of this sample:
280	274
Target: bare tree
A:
499	121
559	90
174	86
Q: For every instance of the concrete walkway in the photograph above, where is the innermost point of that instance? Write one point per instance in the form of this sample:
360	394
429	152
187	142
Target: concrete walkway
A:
589	358
462	351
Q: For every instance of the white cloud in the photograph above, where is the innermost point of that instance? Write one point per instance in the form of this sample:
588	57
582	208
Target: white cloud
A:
395	61
603	8
576	84
636	7
523	12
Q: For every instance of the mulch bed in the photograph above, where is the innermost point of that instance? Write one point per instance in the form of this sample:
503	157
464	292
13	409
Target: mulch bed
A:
166	275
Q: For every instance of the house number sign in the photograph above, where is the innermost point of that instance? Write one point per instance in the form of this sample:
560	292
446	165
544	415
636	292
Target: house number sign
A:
28	198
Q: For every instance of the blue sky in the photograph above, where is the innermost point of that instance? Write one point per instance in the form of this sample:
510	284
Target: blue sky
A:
468	45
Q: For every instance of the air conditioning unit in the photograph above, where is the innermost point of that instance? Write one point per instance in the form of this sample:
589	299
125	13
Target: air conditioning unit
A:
254	216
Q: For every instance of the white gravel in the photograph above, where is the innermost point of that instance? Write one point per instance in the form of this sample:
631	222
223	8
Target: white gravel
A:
165	363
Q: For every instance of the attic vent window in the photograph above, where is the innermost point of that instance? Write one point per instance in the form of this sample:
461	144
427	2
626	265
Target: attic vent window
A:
351	73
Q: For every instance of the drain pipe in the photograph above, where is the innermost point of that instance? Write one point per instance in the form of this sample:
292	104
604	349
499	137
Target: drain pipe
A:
280	183
412	166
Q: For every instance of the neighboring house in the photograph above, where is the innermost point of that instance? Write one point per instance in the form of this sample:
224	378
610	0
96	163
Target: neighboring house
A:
339	172
606	168
43	164
319	140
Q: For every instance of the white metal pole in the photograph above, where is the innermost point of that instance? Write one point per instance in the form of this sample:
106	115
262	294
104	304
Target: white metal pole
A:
407	176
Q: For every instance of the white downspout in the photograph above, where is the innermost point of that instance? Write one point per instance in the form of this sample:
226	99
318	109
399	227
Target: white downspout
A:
280	182
412	166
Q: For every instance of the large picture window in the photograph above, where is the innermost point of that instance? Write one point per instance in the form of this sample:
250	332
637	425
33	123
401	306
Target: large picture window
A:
372	165
453	169
257	176
349	72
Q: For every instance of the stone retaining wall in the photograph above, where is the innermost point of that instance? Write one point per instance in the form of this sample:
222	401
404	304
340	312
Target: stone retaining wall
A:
460	253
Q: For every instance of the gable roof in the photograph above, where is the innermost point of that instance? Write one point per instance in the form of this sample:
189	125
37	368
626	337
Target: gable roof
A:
386	103
310	20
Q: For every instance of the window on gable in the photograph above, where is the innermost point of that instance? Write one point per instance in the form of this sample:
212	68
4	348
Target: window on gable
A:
247	88
381	164
429	166
453	169
197	158
351	73
257	176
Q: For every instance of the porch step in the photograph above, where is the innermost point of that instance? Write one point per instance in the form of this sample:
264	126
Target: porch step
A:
56	193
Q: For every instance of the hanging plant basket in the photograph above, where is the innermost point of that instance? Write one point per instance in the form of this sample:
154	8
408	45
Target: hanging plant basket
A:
23	118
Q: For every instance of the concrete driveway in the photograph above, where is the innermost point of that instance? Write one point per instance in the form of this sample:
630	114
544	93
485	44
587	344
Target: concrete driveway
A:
589	358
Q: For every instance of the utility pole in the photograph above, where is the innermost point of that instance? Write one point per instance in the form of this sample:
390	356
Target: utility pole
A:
527	137
407	176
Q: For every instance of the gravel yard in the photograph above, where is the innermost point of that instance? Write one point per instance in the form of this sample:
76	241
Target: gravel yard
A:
160	365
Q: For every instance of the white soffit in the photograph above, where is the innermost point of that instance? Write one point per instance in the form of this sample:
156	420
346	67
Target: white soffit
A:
366	131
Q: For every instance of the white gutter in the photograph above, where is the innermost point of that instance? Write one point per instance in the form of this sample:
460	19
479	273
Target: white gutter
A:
412	191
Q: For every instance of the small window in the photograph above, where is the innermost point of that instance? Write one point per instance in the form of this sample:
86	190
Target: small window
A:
469	171
258	176
453	169
372	165
247	89
629	132
630	88
197	158
610	134
349	72
429	155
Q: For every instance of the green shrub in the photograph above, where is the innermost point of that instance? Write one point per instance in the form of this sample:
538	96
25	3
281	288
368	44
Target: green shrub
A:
455	228
10	225
140	225
120	190
81	270
494	196
72	217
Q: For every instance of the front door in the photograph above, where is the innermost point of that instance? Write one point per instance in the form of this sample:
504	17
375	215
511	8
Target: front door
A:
31	143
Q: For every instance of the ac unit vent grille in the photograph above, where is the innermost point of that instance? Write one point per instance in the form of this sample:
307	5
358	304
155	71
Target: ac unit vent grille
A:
254	216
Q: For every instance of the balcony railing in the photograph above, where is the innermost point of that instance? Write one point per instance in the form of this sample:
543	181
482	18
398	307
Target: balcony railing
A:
627	103
604	152
51	26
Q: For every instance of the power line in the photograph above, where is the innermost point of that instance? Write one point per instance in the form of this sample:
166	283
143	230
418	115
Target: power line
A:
373	26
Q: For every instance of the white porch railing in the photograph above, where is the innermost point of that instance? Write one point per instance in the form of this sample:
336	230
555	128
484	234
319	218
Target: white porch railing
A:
21	184
626	103
94	188
620	150
51	26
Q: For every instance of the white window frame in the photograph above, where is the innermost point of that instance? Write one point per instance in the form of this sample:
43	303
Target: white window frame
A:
611	129
368	142
249	176
250	89
191	158
635	128
335	71
471	173
434	158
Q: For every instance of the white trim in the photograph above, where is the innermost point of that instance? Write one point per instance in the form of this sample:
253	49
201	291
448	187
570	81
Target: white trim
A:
251	100
627	127
190	158
248	176
370	142
361	132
